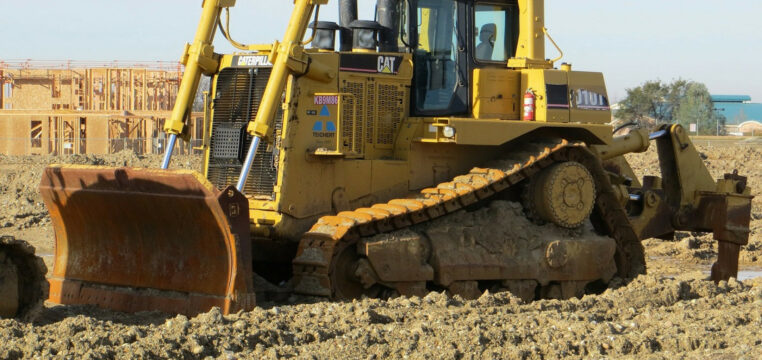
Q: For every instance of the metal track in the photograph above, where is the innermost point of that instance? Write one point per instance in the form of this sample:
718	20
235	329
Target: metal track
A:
23	287
318	261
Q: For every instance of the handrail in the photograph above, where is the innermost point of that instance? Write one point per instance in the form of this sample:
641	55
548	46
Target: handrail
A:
545	30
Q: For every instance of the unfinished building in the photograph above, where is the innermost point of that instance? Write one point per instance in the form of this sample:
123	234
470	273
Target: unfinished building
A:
88	108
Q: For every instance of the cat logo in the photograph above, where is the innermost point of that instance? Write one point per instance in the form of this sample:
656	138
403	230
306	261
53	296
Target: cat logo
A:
370	63
386	64
252	60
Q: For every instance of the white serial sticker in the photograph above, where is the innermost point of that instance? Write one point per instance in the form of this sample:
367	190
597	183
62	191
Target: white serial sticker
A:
254	60
326	99
590	100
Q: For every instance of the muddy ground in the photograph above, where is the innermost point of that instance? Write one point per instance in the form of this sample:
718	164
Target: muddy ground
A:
671	313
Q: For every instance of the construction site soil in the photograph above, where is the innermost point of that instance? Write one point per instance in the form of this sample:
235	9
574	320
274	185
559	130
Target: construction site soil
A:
673	312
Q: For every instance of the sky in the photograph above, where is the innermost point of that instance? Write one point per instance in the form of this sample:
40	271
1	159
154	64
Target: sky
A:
710	41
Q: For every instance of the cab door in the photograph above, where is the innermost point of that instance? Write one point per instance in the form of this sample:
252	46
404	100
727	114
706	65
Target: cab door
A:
440	80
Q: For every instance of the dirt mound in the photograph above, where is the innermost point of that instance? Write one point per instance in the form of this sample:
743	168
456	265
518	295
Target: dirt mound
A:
20	175
719	160
696	248
649	316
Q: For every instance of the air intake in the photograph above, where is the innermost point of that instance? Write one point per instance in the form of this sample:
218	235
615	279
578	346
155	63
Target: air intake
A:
238	94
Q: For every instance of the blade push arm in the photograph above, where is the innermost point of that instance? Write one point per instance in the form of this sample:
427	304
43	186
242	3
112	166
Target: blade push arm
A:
289	48
198	58
287	56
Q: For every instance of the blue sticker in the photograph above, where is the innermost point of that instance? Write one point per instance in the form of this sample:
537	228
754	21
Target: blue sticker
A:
330	126
318	126
324	111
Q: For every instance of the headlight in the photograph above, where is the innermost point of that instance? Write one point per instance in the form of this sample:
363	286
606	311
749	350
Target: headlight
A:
448	131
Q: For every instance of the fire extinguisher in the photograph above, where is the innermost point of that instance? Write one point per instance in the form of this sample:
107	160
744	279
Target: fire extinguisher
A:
529	105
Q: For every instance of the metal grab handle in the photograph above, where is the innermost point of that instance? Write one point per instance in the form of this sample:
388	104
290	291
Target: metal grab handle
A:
561	55
247	163
168	153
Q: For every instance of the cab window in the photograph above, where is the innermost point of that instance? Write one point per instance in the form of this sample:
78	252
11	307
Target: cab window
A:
495	32
436	76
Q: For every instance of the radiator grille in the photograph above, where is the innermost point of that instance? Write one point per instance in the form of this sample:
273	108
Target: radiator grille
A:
357	89
380	110
390	112
370	115
238	94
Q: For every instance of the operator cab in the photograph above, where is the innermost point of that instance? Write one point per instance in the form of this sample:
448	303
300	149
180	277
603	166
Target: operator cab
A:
452	38
448	40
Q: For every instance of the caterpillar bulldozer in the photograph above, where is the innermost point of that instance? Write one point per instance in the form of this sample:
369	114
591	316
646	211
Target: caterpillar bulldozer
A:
383	164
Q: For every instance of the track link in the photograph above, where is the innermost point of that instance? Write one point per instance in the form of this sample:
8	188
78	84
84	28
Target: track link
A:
23	287
317	258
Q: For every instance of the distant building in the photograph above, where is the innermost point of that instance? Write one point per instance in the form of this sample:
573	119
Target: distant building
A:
743	116
81	107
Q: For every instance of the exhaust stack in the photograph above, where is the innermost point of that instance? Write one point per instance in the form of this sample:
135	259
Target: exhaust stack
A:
388	17
347	14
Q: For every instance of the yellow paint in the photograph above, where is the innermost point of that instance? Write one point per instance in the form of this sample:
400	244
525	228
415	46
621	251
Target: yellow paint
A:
496	94
198	58
377	152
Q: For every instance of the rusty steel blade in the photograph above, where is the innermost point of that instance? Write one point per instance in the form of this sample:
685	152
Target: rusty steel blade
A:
145	239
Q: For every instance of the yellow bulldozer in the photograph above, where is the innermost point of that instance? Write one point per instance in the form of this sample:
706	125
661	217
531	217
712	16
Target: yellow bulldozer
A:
352	159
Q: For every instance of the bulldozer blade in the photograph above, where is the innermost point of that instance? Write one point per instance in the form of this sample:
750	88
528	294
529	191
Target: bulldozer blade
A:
144	239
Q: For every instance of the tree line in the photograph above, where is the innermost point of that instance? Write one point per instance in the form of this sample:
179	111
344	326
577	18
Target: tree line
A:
680	102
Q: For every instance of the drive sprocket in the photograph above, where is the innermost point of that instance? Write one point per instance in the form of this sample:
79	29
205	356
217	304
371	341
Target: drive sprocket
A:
563	194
